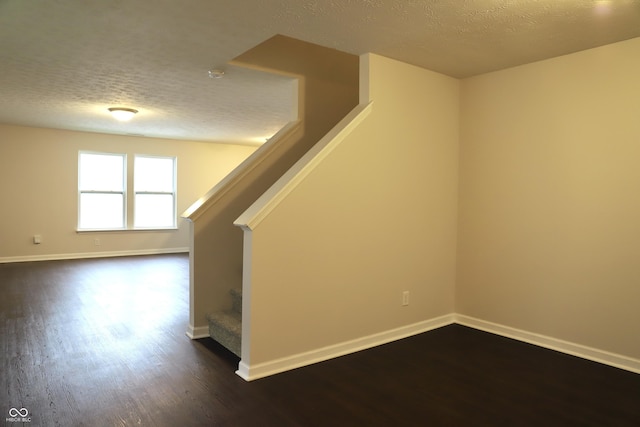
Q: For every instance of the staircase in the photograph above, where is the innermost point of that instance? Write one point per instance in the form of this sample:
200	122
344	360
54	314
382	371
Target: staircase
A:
226	326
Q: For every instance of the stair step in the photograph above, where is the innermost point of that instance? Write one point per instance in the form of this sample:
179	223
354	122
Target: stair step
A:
226	328
236	299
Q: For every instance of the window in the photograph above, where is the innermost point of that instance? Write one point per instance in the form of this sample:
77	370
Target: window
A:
103	198
101	191
155	192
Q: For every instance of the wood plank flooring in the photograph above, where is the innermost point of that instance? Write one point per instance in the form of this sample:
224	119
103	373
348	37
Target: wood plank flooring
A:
102	343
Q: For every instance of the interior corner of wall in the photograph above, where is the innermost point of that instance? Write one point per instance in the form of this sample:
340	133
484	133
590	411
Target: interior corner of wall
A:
365	61
297	106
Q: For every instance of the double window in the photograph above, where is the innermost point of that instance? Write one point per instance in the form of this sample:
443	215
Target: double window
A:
103	197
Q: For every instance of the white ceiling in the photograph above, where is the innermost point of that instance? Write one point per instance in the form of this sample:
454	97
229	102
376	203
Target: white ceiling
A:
64	62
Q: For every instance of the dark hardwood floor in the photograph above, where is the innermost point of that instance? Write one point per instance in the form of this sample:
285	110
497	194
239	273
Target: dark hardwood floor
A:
102	343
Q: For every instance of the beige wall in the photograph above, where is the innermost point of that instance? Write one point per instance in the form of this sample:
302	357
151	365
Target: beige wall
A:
38	178
376	218
549	199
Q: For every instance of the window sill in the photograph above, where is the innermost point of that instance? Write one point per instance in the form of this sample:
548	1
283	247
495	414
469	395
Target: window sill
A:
107	230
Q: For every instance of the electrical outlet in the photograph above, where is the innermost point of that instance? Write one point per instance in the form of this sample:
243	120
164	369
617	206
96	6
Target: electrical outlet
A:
405	298
37	239
96	241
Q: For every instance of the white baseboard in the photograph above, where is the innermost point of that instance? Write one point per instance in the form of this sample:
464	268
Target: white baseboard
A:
198	332
110	254
260	370
589	353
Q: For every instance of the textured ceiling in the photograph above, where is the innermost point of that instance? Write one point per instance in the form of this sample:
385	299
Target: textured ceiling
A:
64	62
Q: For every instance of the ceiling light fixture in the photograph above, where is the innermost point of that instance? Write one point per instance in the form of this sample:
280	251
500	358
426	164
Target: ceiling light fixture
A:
122	114
216	74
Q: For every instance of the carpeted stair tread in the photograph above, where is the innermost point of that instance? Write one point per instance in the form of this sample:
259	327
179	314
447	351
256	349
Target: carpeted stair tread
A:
226	328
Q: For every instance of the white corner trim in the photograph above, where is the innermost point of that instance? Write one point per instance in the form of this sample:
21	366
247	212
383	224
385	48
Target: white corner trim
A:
260	370
261	208
198	332
81	255
589	353
243	371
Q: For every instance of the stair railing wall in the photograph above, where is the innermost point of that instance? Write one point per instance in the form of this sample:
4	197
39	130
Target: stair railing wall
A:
215	245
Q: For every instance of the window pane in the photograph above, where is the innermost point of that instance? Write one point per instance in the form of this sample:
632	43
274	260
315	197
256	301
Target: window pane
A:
99	211
101	172
154	210
153	174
